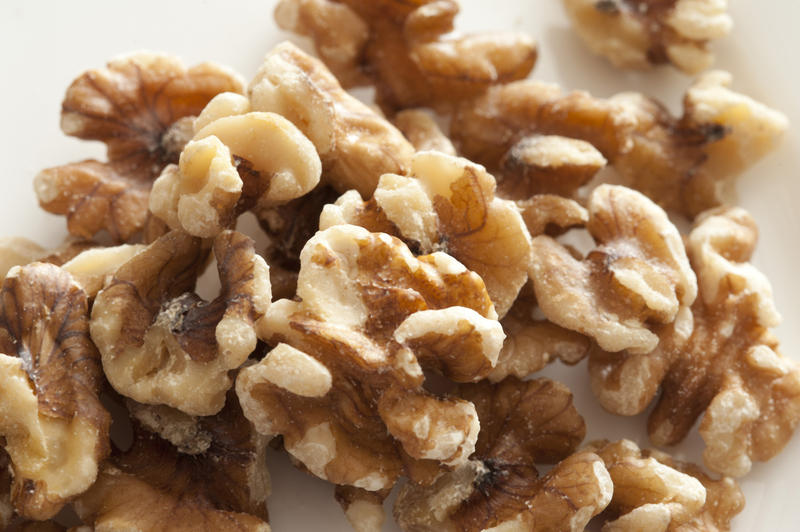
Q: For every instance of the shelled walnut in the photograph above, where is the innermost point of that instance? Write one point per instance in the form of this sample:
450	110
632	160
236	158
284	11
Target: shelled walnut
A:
356	144
652	491
499	488
721	362
403	48
422	131
55	429
141	106
160	342
234	164
682	163
643	33
635	281
447	204
343	384
153	486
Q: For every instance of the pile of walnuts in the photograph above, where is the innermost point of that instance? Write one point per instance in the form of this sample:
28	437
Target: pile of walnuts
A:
412	284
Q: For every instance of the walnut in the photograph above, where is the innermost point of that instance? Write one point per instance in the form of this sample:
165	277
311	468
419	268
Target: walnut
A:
654	492
153	486
349	354
682	163
161	343
448	204
421	129
141	106
636	279
355	144
187	433
533	343
55	429
234	164
500	488
547	164
402	47
720	359
6	508
643	33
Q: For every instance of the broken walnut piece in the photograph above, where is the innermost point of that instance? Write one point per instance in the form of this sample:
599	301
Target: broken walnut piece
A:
160	342
500	488
232	165
16	251
141	106
6	478
637	278
652	491
153	486
719	361
343	384
403	48
547	164
448	204
682	163
356	144
56	431
644	33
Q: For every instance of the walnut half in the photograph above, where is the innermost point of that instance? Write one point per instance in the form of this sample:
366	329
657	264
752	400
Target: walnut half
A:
161	343
343	384
55	429
500	488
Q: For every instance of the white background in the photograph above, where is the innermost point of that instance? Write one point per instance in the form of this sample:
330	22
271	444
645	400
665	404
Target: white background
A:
44	45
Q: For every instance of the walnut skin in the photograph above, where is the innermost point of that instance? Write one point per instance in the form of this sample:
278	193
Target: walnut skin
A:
654	492
682	163
643	33
500	488
141	106
356	145
403	49
154	487
6	508
721	360
161	343
234	164
448	205
343	385
636	279
55	429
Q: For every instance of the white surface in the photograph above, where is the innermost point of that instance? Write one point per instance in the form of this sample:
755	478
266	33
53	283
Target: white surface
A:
46	44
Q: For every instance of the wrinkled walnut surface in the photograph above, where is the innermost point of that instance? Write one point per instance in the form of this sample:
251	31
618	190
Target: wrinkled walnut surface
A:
654	492
160	342
500	488
682	163
720	361
154	487
141	106
343	385
55	429
448	204
403	48
643	33
355	143
637	278
234	164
